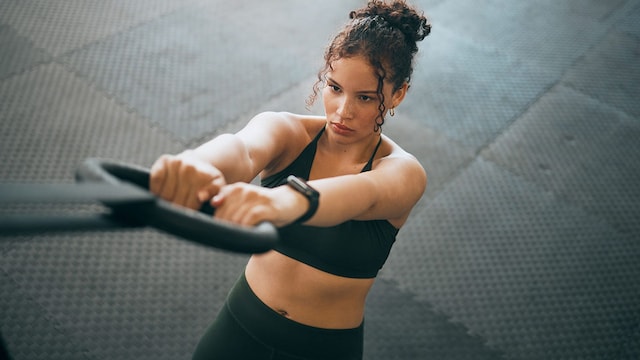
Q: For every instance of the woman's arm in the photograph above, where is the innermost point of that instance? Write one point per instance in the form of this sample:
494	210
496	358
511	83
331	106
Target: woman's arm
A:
389	191
382	195
196	175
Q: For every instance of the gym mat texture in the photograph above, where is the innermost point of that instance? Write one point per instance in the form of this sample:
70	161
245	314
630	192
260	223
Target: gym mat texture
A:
524	114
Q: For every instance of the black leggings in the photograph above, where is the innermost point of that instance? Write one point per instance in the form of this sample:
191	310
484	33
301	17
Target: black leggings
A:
247	329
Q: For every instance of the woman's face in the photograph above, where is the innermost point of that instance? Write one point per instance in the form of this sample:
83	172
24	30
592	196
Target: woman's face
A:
351	99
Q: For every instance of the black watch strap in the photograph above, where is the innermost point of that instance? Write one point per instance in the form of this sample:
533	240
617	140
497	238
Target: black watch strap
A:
310	193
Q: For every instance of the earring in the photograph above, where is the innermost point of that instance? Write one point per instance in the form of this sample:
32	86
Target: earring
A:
392	112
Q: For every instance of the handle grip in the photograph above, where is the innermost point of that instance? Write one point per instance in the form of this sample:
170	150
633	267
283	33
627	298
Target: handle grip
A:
197	226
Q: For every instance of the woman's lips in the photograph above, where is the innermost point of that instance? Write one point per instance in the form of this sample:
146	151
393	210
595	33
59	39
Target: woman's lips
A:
341	128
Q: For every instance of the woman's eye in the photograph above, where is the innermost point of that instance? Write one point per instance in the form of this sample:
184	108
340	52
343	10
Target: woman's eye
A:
334	88
365	98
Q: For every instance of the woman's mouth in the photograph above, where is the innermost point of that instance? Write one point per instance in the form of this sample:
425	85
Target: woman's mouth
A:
341	128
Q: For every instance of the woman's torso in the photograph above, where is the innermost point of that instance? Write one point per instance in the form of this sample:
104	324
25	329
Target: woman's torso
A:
302	292
305	294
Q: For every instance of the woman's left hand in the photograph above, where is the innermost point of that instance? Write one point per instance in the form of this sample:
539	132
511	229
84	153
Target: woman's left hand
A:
248	204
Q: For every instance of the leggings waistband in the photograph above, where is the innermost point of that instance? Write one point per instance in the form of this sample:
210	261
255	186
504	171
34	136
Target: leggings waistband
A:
277	331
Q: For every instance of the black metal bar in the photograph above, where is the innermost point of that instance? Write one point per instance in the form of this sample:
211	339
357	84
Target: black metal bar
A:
87	192
124	190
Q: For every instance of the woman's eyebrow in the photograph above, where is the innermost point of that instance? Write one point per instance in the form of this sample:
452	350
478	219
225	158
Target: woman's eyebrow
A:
331	80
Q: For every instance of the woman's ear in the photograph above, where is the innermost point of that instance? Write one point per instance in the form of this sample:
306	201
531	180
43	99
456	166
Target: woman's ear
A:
399	95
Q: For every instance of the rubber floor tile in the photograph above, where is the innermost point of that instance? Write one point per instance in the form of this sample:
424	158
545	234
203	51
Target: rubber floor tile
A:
531	275
469	92
51	121
548	34
397	326
63	26
18	54
610	72
125	295
567	137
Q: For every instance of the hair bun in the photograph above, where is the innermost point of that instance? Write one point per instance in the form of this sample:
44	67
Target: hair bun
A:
398	14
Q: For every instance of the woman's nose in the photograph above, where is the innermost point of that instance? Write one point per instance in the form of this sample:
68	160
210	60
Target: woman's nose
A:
345	107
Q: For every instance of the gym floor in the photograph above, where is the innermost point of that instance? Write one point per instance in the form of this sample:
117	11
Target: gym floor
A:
525	114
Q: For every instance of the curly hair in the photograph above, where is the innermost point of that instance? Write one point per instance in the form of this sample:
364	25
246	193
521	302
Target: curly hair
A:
384	33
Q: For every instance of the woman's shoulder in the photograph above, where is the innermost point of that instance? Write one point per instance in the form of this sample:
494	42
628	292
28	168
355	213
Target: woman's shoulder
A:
290	123
286	134
395	157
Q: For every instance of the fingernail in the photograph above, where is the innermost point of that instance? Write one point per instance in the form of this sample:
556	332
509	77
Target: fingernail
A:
202	195
216	199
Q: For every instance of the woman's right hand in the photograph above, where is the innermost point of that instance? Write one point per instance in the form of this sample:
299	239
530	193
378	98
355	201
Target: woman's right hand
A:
185	179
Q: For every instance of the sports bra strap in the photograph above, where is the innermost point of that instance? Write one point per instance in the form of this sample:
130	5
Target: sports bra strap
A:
370	162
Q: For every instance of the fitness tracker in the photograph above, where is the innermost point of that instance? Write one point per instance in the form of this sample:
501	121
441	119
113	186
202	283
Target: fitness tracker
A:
310	193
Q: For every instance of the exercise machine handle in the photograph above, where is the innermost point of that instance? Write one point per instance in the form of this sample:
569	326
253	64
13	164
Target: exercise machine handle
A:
197	226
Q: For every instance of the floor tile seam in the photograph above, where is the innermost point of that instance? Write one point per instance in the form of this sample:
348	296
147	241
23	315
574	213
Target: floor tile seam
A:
482	150
604	103
534	100
587	51
409	292
562	77
49	58
246	115
124	30
427	300
479	152
121	103
59	60
437	191
28	69
559	79
556	197
223	128
510	57
46	315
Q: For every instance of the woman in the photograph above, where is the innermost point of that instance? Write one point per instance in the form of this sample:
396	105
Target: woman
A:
338	215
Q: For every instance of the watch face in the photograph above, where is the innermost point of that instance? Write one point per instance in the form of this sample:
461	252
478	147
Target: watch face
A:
301	186
310	193
296	182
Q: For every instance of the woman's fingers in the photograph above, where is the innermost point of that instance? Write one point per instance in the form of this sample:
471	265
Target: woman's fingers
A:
186	193
170	184
157	175
226	203
210	190
185	180
243	204
190	200
162	177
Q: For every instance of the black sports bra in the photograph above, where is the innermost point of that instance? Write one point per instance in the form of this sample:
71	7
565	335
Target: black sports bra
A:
354	249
